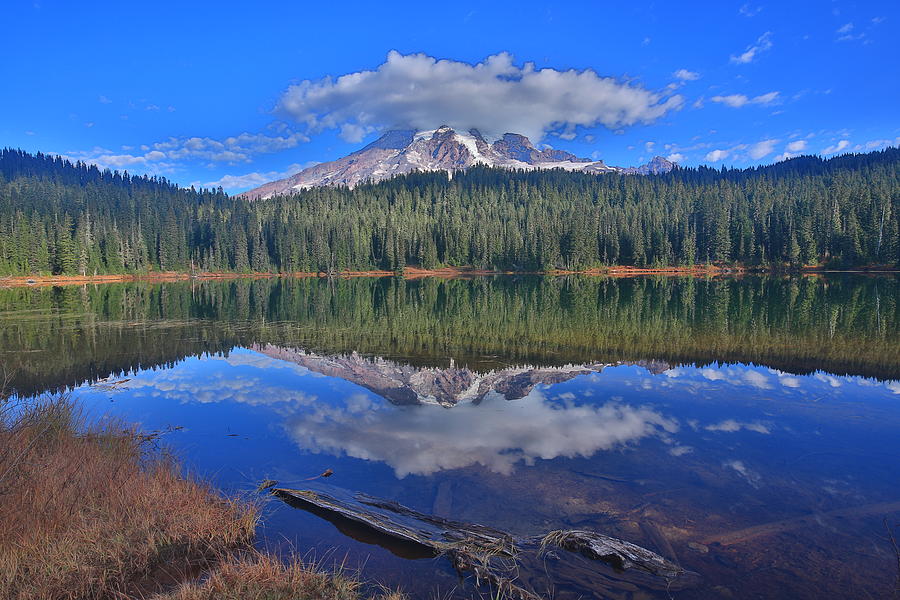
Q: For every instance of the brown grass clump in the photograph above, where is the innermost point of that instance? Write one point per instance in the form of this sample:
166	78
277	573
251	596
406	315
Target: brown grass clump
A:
257	576
92	513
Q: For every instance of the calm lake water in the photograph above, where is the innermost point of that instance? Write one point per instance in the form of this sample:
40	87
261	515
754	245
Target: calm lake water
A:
747	428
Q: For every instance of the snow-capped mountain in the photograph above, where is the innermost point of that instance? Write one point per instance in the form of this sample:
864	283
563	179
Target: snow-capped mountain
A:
443	149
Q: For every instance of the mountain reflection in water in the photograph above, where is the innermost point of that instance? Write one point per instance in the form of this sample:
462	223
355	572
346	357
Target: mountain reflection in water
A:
746	428
55	337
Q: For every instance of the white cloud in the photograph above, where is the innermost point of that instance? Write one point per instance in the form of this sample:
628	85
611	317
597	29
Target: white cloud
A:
763	43
104	100
835	148
353	133
733	100
495	96
791	150
739	100
761	149
234	149
109	159
163	156
878	144
765	98
155	155
250	180
716	155
676	157
744	152
686	75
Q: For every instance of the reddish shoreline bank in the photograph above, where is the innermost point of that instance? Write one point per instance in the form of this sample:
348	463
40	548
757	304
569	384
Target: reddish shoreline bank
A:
410	273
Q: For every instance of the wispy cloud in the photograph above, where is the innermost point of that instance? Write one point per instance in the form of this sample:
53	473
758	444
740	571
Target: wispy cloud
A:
763	43
743	153
747	10
835	148
686	75
739	100
792	149
153	161
848	33
161	157
876	145
233	149
762	149
250	180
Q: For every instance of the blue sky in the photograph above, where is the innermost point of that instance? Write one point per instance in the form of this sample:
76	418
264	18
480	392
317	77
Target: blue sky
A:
235	94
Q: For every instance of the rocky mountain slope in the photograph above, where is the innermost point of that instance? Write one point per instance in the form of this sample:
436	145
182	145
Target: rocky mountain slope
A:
442	149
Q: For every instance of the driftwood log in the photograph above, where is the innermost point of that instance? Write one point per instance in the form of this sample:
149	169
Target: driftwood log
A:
583	563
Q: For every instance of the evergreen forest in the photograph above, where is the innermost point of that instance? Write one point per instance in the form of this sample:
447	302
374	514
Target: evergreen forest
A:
61	218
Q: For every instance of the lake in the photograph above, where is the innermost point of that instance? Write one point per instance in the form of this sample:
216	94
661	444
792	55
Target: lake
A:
745	428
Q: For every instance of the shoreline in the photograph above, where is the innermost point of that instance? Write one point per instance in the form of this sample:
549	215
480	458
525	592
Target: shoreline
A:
418	273
168	535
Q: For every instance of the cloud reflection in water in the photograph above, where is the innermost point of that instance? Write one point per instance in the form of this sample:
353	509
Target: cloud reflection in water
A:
496	433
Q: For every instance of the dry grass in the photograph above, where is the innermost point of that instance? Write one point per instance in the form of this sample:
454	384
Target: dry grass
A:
90	513
101	513
256	576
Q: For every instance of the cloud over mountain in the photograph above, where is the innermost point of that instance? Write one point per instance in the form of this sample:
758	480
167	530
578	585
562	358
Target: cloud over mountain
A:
495	96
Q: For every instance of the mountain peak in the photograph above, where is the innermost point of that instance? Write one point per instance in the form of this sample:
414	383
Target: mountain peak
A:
443	149
395	139
657	166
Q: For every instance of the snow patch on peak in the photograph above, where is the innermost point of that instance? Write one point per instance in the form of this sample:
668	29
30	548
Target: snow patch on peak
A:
471	144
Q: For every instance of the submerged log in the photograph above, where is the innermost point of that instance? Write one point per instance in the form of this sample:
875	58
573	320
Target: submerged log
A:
578	561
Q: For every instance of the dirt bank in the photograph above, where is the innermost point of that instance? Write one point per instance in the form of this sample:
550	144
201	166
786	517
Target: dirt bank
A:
417	273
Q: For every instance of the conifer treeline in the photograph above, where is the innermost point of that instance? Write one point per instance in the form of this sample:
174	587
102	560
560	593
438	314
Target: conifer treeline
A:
60	218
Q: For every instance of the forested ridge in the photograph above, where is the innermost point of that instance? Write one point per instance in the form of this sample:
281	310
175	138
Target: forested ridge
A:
62	218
